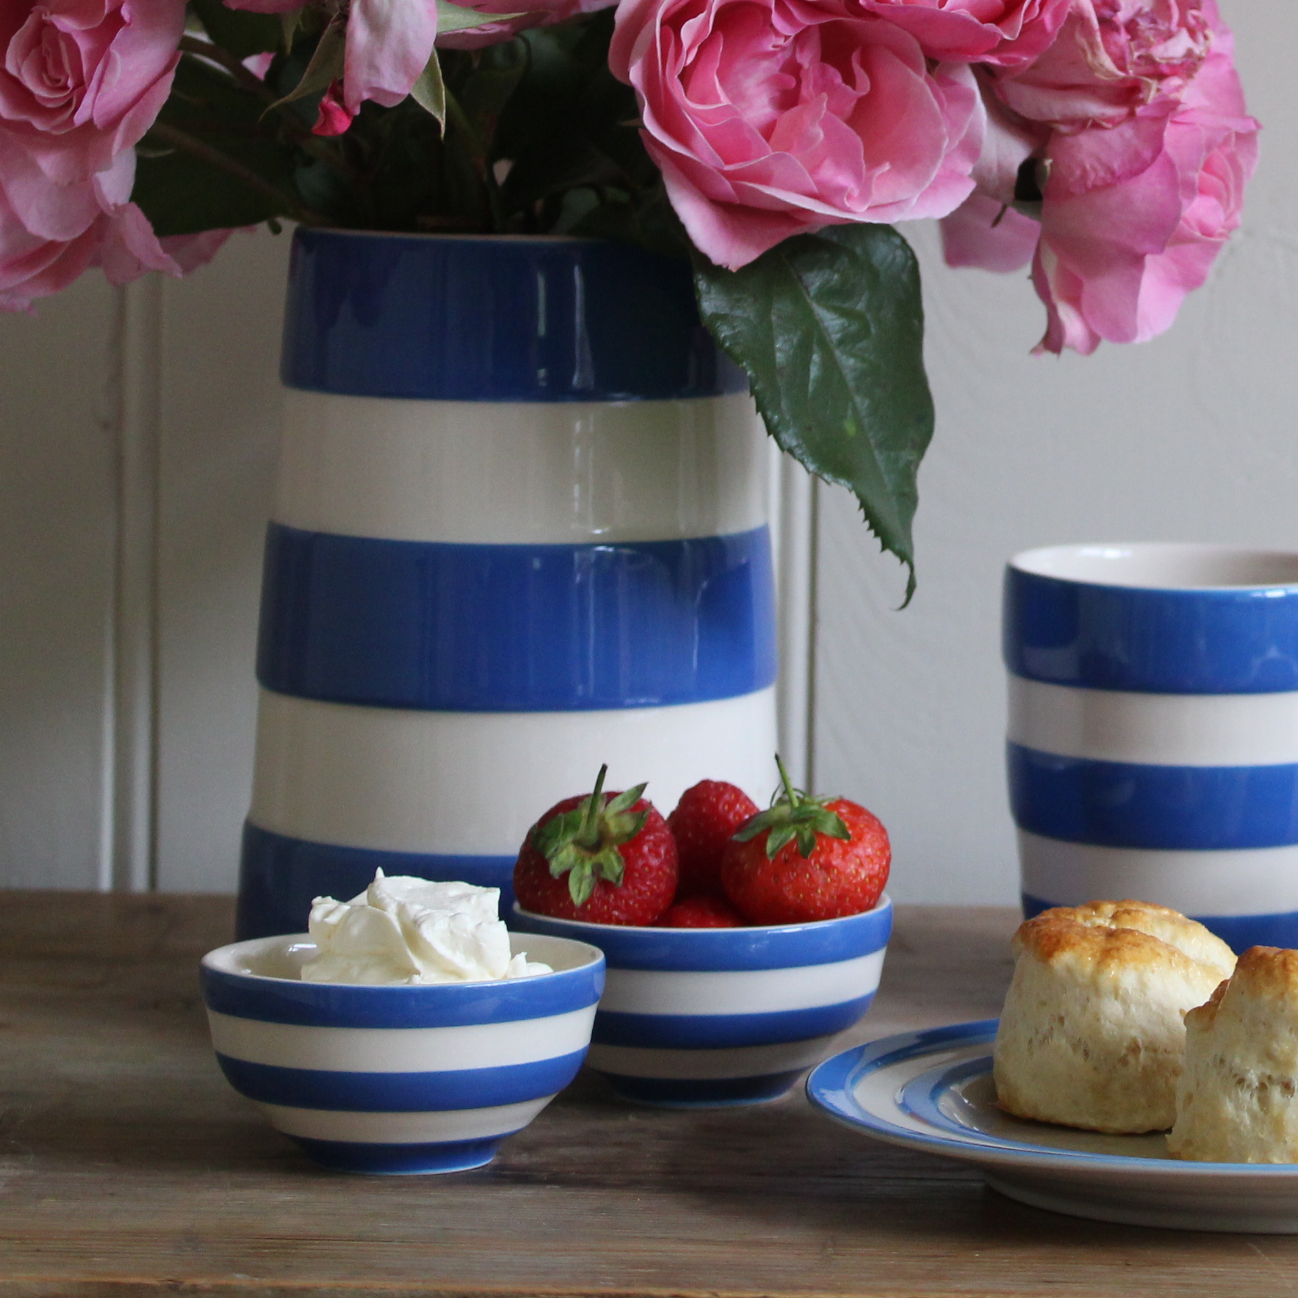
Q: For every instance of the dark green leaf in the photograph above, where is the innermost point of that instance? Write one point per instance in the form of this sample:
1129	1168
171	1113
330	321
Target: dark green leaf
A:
830	329
429	91
182	192
456	18
237	30
326	66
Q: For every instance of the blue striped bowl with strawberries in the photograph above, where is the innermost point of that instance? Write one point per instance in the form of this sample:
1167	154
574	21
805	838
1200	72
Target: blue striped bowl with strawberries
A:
695	1017
394	1079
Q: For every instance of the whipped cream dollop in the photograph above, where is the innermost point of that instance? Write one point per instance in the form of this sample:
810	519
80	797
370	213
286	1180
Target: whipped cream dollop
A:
404	930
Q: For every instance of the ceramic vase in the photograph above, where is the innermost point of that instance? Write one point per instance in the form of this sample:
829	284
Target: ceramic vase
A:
520	530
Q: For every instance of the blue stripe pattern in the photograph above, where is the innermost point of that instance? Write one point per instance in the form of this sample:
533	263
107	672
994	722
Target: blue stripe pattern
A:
1239	932
470	319
789	946
400	1160
280	876
516	628
465	1088
436	1005
724	1031
1121	804
1223	641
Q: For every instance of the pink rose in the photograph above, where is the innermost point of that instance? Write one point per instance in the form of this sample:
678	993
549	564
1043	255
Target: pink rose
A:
1117	259
772	117
537	15
1008	33
388	44
1132	215
49	243
82	80
1110	58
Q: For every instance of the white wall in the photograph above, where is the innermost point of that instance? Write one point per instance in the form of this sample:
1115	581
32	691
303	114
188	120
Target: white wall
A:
128	606
1190	437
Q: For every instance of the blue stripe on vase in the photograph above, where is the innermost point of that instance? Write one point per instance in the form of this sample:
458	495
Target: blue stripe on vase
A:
1239	932
436	1005
463	1088
724	1031
400	1160
279	877
1242	641
681	951
1122	804
516	628
487	319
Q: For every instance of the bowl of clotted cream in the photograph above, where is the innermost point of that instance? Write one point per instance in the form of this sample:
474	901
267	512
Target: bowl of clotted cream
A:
408	1031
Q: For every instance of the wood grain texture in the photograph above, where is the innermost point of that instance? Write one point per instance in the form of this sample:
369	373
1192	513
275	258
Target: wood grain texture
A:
128	1166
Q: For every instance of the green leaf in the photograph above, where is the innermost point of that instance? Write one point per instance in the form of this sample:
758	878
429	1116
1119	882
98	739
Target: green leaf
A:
830	329
238	31
182	192
326	66
456	18
429	90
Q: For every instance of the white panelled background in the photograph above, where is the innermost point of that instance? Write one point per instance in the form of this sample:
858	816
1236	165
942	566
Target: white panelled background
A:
137	434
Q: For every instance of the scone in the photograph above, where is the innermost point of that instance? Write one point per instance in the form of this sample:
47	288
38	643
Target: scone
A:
1237	1101
1092	1033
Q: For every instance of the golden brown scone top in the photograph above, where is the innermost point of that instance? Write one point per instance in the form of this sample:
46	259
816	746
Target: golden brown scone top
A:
1122	934
1262	973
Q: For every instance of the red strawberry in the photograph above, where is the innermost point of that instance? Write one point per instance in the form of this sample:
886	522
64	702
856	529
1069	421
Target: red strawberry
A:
700	912
702	823
605	858
806	859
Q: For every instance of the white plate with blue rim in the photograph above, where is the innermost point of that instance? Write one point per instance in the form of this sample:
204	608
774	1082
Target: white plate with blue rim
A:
933	1091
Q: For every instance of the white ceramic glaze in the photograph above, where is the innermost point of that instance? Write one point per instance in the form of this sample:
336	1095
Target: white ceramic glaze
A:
1159	729
474	782
503	473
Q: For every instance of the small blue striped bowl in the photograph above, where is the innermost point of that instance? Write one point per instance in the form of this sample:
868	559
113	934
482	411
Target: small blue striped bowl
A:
399	1079
697	1017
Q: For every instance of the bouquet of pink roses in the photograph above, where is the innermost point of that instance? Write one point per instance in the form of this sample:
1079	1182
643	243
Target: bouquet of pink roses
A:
772	142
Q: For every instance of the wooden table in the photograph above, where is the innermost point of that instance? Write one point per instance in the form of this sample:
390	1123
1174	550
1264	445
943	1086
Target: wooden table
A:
127	1165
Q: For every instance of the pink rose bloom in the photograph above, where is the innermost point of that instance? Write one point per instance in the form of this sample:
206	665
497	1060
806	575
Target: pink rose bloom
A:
46	244
388	44
1133	215
537	15
82	80
768	118
1117	259
1111	58
1008	33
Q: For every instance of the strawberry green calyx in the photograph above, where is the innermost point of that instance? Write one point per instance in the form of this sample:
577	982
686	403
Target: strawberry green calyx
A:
584	843
795	815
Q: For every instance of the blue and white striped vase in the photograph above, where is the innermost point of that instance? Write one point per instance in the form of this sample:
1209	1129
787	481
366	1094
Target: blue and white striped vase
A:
1153	731
520	530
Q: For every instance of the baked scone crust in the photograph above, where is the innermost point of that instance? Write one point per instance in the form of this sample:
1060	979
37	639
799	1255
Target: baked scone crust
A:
1237	1100
1092	1034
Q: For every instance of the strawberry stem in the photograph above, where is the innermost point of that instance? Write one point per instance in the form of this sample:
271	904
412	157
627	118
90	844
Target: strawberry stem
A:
588	836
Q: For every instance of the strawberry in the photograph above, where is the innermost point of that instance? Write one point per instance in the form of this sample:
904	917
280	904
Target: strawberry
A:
702	823
602	858
806	859
700	911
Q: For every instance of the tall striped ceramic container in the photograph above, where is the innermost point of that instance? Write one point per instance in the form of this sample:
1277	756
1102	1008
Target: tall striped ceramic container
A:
520	530
1153	731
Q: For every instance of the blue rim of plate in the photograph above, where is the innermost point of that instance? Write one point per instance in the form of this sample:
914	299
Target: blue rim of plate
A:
832	1088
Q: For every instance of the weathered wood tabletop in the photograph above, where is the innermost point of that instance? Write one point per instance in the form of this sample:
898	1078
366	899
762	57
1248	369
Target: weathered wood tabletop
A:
127	1165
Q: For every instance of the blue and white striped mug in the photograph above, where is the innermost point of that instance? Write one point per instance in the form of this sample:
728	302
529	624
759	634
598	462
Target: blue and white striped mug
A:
520	530
1153	731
